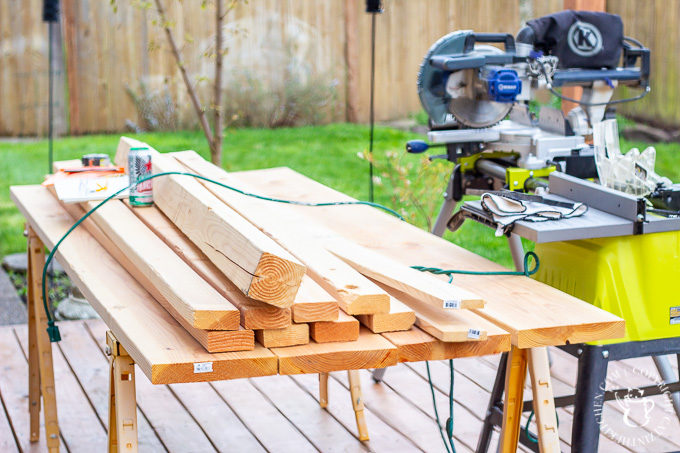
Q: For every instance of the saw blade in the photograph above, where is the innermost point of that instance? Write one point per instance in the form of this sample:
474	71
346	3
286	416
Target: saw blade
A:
478	113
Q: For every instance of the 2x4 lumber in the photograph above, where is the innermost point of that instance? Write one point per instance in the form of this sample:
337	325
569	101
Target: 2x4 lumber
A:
256	264
400	317
424	287
212	340
368	351
162	348
293	335
195	300
354	293
345	328
254	314
313	303
415	345
534	313
445	325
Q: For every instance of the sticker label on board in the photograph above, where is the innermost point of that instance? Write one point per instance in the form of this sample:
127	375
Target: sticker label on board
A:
675	315
452	304
474	334
203	367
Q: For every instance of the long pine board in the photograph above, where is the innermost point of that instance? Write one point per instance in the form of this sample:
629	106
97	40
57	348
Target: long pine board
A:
355	294
254	314
162	348
534	314
256	264
238	339
424	287
195	300
368	351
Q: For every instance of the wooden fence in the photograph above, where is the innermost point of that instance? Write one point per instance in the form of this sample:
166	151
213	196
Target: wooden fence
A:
107	48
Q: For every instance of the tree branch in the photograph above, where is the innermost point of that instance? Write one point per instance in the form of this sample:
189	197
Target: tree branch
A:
203	119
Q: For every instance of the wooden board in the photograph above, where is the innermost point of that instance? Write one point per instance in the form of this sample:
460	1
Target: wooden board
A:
354	293
293	335
195	300
254	314
445	325
345	328
313	303
399	318
535	314
212	340
416	345
257	265
163	349
368	351
424	287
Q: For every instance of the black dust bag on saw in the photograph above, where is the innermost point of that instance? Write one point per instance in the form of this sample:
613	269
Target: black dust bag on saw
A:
580	39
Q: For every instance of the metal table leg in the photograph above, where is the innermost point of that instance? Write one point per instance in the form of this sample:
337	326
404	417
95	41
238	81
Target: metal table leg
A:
379	374
494	401
589	398
446	210
668	375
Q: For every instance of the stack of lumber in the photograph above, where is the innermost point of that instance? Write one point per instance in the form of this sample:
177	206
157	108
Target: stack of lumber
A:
233	269
210	284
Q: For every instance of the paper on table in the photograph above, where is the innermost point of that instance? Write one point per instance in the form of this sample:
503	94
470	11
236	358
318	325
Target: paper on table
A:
77	190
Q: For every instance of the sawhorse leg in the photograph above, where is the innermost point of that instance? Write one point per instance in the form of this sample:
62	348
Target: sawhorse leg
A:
122	398
536	361
357	399
40	366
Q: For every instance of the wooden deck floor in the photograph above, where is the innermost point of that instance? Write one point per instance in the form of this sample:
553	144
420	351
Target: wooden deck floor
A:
279	413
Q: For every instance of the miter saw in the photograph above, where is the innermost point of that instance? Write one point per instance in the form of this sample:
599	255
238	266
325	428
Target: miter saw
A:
468	88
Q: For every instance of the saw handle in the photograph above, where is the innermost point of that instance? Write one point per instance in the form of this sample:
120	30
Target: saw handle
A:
416	146
504	38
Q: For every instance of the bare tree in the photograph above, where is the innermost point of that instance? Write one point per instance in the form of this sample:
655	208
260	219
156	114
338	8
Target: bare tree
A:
213	135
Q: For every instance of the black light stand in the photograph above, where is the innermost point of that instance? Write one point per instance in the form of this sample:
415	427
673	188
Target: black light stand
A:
51	16
372	7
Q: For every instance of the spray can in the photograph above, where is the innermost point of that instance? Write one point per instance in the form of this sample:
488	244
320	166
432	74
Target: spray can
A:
139	167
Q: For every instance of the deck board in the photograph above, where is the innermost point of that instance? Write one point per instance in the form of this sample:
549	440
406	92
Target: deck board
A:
280	413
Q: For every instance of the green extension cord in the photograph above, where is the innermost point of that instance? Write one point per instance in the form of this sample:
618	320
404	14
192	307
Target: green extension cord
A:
448	440
53	330
530	436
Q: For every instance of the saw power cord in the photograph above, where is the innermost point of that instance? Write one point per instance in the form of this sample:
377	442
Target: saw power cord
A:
448	438
53	330
451	273
527	433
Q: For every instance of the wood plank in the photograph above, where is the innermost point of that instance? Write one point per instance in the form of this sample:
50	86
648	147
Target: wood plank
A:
7	442
534	313
382	436
13	381
212	340
415	345
399	318
91	369
257	265
345	328
318	426
196	301
423	286
293	335
164	351
171	422
271	428
215	417
313	303
445	325
254	314
353	292
397	412
368	351
75	411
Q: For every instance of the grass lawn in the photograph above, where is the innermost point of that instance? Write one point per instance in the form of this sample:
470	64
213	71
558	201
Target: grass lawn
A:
327	154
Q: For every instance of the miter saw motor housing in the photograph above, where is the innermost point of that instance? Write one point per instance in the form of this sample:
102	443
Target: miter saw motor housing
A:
464	85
